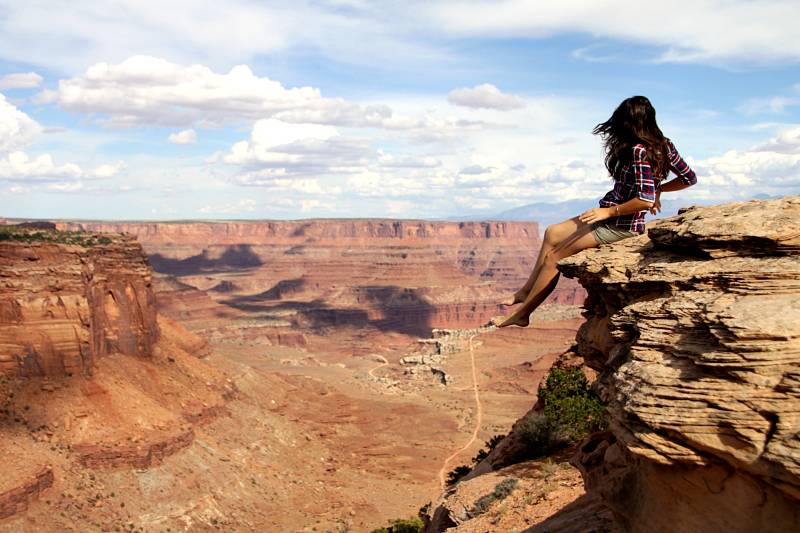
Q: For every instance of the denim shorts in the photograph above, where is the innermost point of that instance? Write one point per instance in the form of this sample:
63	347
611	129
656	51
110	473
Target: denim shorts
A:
605	233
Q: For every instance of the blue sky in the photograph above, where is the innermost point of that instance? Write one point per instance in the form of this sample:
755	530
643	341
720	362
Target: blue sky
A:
345	108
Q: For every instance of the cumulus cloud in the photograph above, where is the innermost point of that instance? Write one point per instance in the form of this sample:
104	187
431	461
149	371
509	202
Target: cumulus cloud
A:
485	96
20	166
183	137
298	157
786	142
146	90
20	80
17	129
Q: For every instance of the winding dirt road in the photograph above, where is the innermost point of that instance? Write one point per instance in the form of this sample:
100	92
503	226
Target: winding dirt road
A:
383	364
478	419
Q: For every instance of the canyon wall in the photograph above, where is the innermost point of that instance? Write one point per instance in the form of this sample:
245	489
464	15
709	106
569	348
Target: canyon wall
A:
695	331
62	306
402	275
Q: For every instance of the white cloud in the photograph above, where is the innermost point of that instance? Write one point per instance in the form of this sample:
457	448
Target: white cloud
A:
20	80
786	142
485	96
68	38
145	90
17	129
183	137
245	204
703	32
18	165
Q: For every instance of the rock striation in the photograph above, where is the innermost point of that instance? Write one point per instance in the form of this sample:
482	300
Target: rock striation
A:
694	329
398	275
63	306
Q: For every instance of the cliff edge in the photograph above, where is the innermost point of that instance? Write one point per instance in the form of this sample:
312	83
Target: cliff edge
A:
695	330
692	339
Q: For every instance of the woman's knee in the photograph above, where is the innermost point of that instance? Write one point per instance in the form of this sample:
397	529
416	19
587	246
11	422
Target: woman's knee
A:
551	257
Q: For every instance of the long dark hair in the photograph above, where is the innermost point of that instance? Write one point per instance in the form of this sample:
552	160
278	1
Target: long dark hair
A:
633	122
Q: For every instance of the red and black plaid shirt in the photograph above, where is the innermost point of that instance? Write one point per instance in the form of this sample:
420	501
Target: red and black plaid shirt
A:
636	180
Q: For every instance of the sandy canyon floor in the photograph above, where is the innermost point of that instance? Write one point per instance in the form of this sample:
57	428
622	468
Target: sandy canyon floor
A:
296	415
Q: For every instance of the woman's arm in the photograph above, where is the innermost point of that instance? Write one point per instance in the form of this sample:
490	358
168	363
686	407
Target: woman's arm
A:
685	177
634	205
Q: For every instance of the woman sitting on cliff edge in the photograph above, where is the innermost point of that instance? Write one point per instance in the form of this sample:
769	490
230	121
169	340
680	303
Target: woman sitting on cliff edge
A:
639	157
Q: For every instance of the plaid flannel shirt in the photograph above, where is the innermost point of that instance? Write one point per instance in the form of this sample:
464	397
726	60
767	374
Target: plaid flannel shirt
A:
636	180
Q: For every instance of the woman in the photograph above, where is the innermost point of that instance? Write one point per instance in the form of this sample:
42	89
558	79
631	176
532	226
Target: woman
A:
639	158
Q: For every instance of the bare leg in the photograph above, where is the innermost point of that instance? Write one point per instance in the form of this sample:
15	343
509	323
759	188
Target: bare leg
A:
547	276
553	235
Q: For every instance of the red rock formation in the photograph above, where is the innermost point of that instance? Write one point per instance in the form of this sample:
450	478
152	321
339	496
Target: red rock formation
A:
17	499
404	275
63	306
132	455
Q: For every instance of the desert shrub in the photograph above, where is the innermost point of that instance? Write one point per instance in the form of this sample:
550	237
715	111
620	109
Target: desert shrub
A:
457	473
412	525
460	471
501	491
538	437
571	411
570	406
24	234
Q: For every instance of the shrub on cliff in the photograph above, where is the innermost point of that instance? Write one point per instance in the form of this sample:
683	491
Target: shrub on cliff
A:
571	411
500	492
413	525
28	235
570	405
460	471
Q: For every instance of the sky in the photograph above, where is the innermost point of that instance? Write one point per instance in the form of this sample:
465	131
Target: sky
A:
167	110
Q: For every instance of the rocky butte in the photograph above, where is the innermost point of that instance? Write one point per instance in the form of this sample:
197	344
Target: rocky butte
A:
91	376
692	335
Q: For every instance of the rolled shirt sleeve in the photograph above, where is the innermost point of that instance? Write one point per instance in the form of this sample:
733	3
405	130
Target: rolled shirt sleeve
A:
645	186
680	167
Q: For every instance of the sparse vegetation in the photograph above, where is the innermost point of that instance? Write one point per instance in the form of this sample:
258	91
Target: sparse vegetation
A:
571	405
412	525
460	471
28	235
571	411
500	492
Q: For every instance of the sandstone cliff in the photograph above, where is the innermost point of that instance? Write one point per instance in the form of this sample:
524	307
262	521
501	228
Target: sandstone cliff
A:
64	305
398	275
90	375
694	332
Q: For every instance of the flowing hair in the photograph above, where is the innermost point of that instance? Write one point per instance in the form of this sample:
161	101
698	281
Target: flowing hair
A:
633	122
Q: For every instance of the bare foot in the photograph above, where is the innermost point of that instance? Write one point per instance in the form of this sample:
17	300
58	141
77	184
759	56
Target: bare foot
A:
518	298
512	320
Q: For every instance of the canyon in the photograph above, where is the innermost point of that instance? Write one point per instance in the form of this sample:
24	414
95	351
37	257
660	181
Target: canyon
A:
241	366
328	375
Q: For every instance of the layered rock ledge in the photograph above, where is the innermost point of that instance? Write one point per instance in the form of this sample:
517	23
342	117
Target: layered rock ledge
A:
62	306
695	331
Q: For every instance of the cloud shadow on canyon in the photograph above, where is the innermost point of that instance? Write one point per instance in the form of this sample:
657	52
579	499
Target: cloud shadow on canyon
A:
235	257
401	309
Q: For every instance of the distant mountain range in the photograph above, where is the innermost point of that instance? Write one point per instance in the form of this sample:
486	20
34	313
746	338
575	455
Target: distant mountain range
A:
547	213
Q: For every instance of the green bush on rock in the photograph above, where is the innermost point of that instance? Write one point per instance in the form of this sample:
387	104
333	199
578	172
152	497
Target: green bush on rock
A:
571	411
412	525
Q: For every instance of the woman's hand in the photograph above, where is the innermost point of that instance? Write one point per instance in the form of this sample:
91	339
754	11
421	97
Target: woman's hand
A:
596	214
654	210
